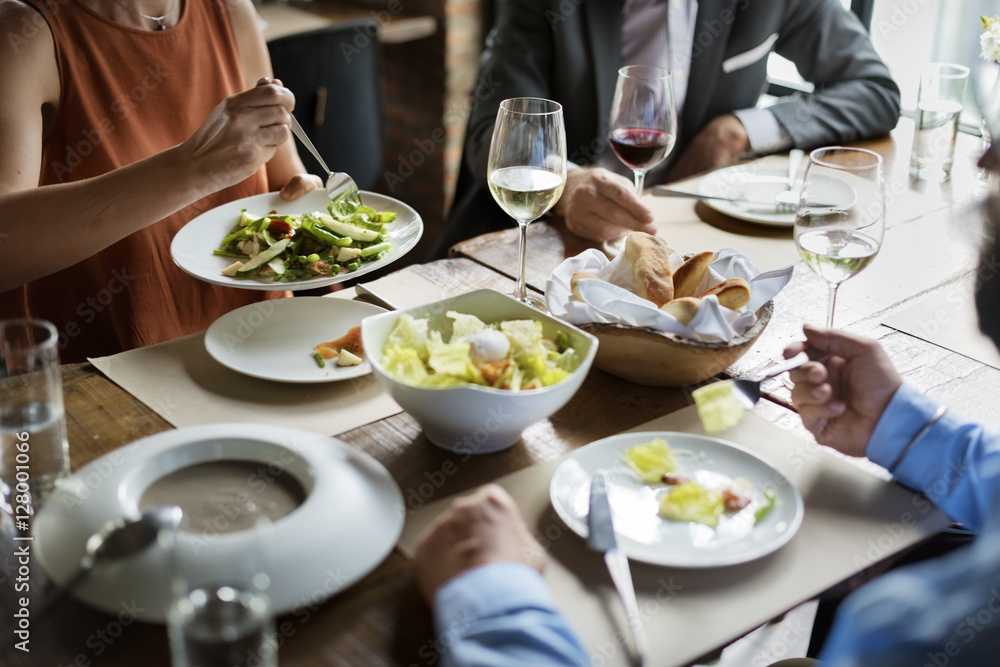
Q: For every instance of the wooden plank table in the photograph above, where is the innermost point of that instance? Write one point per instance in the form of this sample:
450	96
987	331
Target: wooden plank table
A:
381	620
928	226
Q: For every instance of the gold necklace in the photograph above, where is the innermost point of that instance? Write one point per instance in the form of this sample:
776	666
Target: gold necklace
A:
158	19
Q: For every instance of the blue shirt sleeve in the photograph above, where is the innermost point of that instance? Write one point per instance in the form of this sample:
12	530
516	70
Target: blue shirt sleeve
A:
956	464
503	614
945	611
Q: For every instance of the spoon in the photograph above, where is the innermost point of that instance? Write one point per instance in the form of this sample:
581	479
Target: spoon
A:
116	539
339	186
750	387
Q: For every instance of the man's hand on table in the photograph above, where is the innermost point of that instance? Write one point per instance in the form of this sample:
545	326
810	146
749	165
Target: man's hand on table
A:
719	144
842	397
484	527
601	205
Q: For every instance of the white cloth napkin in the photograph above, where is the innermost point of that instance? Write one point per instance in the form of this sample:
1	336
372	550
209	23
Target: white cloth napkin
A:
611	300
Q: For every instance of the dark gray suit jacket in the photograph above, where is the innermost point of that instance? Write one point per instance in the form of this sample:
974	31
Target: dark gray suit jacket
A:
569	51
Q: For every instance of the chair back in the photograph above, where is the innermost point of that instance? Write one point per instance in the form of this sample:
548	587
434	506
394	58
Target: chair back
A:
336	75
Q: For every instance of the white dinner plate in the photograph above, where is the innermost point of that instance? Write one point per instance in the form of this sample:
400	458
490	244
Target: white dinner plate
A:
644	536
192	246
759	184
350	519
274	340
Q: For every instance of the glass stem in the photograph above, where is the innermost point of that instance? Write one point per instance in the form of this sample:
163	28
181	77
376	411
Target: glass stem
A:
519	290
833	302
640	177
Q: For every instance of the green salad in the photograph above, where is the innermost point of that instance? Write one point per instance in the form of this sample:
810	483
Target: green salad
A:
286	248
512	354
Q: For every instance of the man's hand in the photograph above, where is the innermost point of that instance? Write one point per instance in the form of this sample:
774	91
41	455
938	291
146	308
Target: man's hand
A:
485	527
842	398
300	184
601	205
720	143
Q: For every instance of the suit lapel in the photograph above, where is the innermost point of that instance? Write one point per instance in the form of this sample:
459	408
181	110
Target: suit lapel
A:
604	32
706	61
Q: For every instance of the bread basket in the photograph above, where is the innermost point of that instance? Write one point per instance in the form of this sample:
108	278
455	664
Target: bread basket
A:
661	359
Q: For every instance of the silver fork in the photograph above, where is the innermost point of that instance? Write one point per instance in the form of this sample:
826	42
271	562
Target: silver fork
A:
750	387
787	200
339	186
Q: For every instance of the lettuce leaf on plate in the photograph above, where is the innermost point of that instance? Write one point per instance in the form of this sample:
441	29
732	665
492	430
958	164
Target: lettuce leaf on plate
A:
691	501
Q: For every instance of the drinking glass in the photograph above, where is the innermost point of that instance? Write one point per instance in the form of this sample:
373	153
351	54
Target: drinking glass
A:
527	167
939	106
34	454
643	122
220	613
839	241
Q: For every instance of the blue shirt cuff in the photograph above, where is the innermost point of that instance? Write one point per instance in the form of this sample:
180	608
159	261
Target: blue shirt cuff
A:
490	590
907	413
764	131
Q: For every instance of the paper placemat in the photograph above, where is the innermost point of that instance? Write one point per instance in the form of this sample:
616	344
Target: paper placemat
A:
947	318
852	520
182	383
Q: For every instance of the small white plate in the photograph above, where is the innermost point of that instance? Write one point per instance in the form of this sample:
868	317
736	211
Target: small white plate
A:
350	519
644	536
759	184
274	340
192	246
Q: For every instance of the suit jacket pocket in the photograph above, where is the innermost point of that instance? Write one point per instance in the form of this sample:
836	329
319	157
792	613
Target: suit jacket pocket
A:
747	58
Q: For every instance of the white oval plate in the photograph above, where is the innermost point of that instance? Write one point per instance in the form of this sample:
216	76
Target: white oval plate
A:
644	536
192	246
274	340
350	520
759	184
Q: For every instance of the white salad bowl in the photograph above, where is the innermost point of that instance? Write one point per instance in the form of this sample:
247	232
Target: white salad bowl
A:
472	419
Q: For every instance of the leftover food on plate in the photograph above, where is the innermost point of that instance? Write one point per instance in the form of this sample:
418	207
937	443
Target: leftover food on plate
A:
511	354
700	495
719	406
292	247
346	350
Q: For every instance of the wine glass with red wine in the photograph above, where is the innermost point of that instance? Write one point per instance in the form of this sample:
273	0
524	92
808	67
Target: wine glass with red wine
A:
643	123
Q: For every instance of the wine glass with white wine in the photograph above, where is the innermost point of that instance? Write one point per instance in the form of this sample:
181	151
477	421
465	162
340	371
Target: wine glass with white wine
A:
527	167
840	219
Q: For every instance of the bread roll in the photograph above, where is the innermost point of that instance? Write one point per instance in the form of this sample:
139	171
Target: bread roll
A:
651	274
575	281
732	293
690	273
684	308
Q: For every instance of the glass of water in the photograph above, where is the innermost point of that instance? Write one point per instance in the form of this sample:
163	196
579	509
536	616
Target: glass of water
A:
220	613
939	106
33	450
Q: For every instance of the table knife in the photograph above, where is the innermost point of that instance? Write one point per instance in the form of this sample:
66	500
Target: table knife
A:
601	537
660	191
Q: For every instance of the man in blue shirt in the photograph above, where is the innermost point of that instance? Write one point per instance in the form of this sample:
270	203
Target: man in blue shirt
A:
479	567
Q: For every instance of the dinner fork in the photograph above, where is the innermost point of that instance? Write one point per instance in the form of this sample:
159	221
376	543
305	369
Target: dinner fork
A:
750	387
339	186
787	200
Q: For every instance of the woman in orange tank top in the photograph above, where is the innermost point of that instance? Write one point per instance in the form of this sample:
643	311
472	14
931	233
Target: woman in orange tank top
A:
120	121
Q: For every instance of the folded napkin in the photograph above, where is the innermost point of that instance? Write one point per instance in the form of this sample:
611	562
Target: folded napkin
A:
611	300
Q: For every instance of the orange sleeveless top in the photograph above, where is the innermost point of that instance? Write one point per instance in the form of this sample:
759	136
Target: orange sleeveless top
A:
128	94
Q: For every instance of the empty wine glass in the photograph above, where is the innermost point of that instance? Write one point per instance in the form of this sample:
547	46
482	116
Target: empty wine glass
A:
643	122
527	167
839	241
